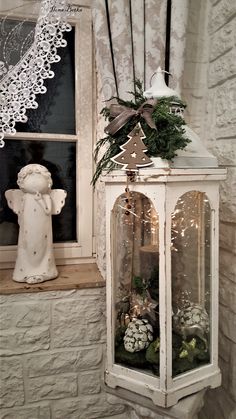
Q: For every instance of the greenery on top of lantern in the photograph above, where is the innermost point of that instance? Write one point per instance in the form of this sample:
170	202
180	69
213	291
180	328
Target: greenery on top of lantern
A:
164	141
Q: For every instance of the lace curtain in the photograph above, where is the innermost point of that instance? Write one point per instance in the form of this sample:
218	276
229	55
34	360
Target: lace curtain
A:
27	52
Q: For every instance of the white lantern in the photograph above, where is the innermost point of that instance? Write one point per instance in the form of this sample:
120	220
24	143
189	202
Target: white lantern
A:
162	278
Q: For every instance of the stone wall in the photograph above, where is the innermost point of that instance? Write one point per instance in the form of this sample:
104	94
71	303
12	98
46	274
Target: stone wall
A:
209	89
51	364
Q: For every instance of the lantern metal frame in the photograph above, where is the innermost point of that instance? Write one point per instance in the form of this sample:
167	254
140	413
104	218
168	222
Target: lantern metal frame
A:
164	186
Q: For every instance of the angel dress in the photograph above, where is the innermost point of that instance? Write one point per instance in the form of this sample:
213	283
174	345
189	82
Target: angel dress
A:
35	261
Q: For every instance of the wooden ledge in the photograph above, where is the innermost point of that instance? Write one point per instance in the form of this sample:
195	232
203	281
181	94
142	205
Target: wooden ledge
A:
70	277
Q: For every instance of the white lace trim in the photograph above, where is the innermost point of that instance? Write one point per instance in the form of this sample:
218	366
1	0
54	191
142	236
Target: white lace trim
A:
21	84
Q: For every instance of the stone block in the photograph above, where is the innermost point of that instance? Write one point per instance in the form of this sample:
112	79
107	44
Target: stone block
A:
232	373
222	40
51	387
225	402
11	382
52	296
224	366
211	408
218	404
67	334
223	68
196	49
5	318
224	347
88	407
25	315
20	341
210	118
194	99
221	13
227	322
97	332
195	75
90	382
224	150
226	106
90	309
228	293
63	362
227	265
194	16
228	237
233	414
125	415
228	196
31	412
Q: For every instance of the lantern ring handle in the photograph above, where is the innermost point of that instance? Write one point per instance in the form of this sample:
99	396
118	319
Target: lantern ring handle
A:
163	71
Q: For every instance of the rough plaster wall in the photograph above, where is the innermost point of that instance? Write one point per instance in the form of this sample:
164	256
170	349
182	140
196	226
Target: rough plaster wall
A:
210	91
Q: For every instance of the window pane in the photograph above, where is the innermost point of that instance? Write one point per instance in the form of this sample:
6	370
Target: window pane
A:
16	38
56	110
136	278
191	274
60	159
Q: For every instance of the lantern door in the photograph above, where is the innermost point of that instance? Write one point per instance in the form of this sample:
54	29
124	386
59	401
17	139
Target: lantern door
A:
135	241
192	276
136	238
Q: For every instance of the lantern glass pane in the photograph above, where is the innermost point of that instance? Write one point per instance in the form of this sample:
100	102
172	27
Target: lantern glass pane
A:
191	278
136	283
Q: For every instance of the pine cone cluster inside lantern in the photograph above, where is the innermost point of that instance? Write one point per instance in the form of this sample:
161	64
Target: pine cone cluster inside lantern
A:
192	320
138	335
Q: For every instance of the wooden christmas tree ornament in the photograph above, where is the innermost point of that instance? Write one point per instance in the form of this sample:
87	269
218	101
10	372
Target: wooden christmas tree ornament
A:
132	155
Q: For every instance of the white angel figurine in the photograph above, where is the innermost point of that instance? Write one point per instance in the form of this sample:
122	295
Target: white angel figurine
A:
34	203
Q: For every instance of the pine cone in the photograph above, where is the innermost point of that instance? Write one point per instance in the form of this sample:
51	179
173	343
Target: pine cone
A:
138	335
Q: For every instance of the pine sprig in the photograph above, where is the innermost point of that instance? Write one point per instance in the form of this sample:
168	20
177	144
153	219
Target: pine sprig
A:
163	142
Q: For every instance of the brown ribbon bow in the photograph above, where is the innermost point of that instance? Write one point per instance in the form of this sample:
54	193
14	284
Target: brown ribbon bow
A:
122	114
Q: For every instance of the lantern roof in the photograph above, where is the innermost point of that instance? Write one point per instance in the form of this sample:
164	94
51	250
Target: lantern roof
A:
195	155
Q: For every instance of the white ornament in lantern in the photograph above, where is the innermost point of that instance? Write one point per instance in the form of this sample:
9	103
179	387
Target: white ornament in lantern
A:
169	216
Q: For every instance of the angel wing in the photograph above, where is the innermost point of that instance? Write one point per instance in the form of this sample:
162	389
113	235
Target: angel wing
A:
14	199
58	197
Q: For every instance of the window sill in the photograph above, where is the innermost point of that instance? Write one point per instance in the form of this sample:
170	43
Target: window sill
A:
70	277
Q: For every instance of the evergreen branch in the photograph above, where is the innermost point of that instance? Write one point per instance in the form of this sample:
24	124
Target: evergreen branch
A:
163	142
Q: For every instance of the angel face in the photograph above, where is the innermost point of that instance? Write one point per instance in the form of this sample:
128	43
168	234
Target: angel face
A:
35	182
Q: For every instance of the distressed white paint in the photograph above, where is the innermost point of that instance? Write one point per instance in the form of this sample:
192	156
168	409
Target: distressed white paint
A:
164	187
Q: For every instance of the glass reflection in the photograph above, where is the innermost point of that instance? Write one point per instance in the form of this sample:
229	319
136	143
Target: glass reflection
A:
136	282
191	274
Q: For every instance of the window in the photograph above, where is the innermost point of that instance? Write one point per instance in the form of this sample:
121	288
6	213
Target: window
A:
58	135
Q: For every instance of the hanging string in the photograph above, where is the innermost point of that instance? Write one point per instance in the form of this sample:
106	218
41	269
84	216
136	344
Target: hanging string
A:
111	45
144	44
132	41
168	33
130	178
